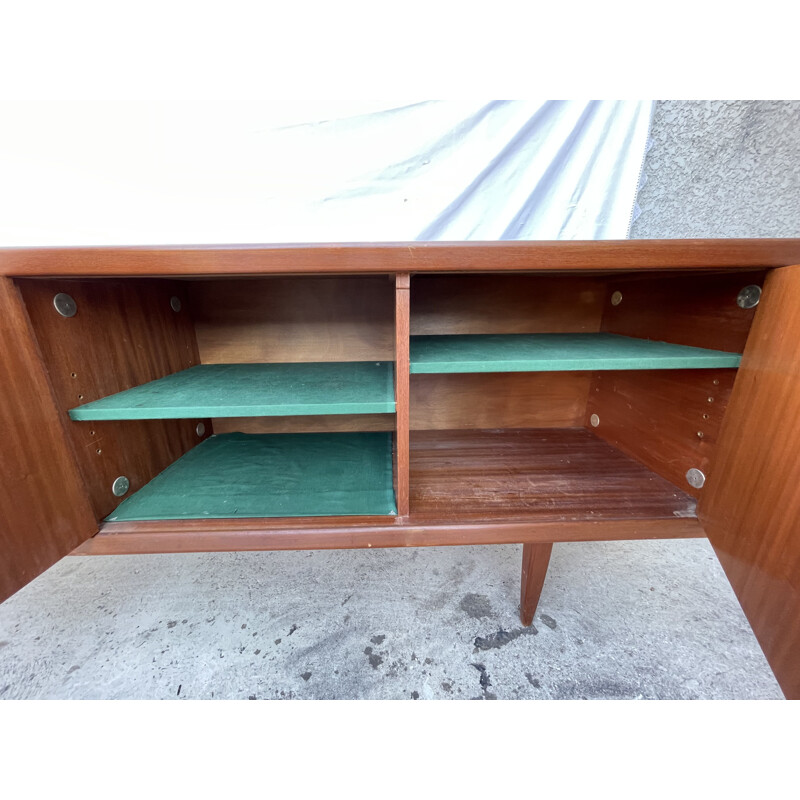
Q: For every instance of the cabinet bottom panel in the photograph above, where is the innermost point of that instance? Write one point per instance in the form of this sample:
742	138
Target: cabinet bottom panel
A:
237	475
467	487
536	475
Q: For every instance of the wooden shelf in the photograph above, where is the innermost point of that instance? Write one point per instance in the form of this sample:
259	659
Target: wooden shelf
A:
253	390
557	352
534	475
237	475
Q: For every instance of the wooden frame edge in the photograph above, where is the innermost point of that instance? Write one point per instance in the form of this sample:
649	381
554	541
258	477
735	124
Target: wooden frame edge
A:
251	535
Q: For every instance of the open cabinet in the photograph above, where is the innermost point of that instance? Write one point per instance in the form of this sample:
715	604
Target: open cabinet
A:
229	398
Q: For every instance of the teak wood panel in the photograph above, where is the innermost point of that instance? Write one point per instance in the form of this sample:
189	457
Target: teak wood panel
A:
402	257
401	384
499	400
667	419
750	507
213	536
543	474
698	310
457	304
124	333
44	511
317	424
306	318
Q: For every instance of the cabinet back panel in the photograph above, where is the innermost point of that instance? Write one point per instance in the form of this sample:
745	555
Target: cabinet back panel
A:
502	303
305	424
285	319
499	400
655	416
124	333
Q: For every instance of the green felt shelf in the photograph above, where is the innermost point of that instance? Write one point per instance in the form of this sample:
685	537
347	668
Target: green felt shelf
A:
236	475
253	390
557	352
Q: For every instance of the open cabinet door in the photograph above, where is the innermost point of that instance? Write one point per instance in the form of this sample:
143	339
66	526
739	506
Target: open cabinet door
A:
44	511
750	507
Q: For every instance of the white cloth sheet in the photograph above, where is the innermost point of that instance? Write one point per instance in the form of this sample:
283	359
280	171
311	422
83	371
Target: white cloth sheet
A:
437	170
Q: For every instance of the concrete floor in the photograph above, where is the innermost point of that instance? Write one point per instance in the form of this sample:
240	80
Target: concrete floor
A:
616	620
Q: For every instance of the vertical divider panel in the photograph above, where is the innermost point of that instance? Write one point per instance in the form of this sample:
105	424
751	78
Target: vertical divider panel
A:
402	329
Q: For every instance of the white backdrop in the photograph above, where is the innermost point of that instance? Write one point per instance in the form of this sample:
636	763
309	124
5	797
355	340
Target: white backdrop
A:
446	170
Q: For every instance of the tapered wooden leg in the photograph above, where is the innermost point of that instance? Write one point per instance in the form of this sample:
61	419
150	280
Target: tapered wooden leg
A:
535	558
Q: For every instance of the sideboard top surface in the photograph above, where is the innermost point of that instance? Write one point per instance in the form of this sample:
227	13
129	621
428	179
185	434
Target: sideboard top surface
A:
413	257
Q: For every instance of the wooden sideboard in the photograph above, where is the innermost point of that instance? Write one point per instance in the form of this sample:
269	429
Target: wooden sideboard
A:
218	398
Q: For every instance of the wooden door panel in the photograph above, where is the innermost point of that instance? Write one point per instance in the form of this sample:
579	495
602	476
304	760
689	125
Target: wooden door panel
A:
750	506
44	510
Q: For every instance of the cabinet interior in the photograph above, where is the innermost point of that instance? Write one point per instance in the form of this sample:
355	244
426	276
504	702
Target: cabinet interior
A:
303	420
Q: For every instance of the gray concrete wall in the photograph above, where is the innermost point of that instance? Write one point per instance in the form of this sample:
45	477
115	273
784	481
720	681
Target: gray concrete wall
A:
721	168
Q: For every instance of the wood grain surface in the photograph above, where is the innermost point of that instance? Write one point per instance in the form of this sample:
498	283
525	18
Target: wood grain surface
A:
317	424
499	400
698	310
750	506
467	487
217	536
402	257
124	333
535	560
44	510
548	473
669	420
401	382
294	319
502	303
